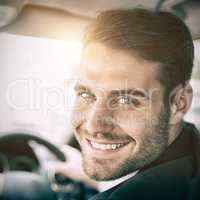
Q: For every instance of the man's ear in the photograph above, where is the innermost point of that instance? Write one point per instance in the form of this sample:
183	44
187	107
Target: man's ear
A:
181	102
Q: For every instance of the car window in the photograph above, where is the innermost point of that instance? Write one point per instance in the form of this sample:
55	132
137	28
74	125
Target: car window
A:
34	84
194	114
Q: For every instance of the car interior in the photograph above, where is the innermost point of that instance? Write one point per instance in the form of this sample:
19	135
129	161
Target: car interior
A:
40	49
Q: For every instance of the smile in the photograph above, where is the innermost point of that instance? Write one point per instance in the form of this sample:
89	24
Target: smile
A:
104	147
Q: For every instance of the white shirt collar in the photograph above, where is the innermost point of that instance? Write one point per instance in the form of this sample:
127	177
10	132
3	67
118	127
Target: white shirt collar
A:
105	185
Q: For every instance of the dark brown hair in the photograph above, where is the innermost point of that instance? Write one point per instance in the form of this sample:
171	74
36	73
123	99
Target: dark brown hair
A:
155	36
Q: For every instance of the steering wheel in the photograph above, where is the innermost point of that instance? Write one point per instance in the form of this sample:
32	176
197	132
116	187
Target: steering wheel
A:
21	177
20	181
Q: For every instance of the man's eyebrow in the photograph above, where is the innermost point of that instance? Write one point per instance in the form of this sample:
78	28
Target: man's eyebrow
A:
80	87
134	92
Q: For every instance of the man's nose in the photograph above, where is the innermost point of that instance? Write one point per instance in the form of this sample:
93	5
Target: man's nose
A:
99	119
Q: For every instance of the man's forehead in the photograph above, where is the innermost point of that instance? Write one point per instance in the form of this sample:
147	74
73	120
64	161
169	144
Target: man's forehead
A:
115	80
99	60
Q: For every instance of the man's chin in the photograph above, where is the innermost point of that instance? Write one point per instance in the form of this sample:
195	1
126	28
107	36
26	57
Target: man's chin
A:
103	170
96	174
98	171
100	176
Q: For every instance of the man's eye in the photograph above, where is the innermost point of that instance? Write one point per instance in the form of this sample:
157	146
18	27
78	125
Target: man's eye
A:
128	100
85	95
124	100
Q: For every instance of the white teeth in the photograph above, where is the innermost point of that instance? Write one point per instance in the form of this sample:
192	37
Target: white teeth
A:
114	146
105	146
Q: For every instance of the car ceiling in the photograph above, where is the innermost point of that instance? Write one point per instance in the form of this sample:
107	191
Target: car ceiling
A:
12	11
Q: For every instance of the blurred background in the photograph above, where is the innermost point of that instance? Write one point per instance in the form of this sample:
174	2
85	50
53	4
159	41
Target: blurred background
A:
40	43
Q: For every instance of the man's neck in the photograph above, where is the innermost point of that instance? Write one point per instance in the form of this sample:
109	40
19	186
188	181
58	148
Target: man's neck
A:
105	185
174	132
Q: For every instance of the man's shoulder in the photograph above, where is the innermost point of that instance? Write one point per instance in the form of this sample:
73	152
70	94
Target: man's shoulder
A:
160	182
173	179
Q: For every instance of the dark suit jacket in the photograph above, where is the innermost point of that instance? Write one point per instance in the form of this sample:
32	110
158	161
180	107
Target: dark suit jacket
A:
174	176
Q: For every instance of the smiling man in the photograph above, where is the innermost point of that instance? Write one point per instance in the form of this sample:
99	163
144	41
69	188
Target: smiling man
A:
131	97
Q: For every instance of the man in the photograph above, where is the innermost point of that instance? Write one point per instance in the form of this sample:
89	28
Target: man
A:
131	98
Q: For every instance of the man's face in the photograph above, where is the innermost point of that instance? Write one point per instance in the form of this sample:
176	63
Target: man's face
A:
119	117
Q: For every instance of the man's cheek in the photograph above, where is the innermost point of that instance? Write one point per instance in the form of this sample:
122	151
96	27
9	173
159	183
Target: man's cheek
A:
81	105
132	122
77	118
137	130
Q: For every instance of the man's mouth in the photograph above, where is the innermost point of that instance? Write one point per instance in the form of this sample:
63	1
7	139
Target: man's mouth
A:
106	146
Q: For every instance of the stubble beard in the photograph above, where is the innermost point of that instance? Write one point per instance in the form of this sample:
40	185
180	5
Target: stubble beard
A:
152	146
